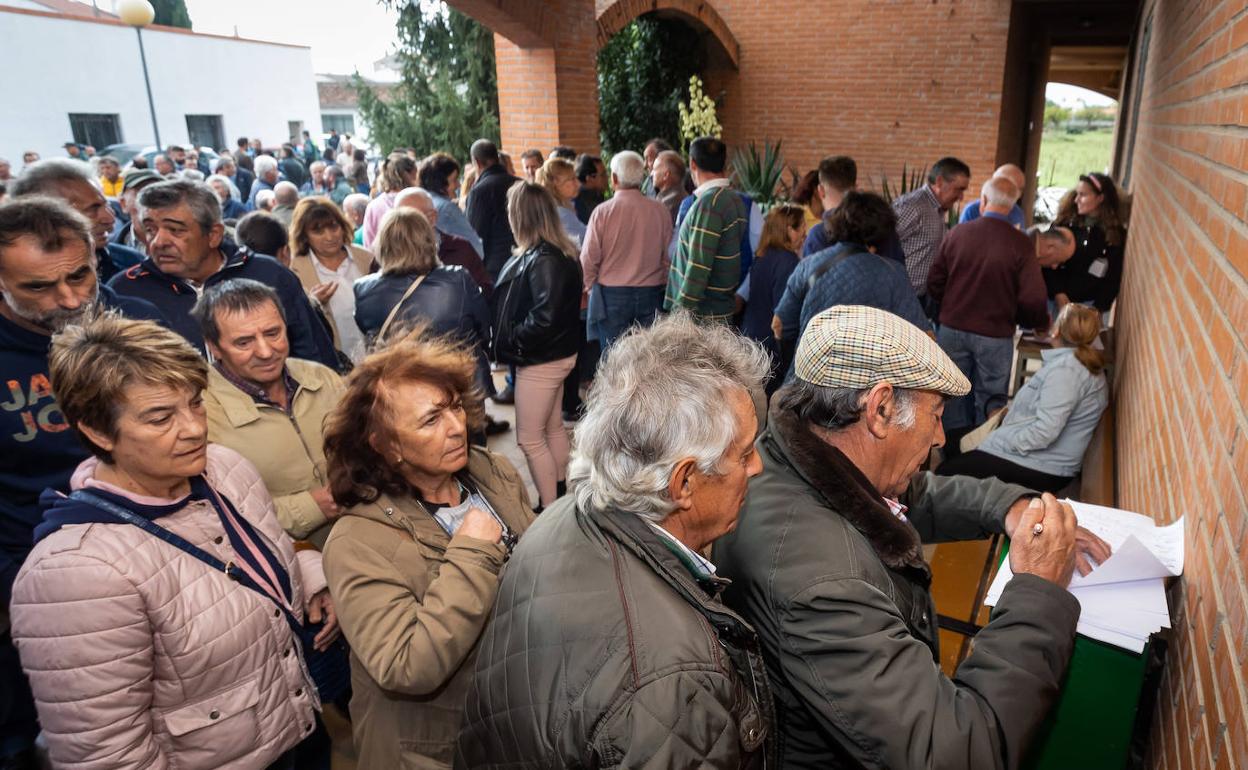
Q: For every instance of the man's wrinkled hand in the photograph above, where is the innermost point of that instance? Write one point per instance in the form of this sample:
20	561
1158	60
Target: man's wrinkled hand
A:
1044	541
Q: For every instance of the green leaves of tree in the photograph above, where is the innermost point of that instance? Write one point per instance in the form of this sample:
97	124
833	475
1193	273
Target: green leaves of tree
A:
643	73
448	93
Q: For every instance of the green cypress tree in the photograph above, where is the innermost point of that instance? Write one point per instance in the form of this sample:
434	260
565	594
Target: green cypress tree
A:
448	94
172	13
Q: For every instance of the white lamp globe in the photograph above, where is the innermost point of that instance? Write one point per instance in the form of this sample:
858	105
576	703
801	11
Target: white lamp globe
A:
136	13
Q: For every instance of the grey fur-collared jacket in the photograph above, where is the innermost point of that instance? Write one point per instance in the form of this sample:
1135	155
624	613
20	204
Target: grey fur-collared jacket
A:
837	588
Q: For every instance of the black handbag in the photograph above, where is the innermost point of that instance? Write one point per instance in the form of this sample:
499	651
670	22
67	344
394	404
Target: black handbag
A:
330	669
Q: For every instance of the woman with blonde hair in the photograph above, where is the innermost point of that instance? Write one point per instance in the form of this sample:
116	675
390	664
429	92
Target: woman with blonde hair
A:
1047	429
414	560
558	176
784	231
161	615
536	322
328	265
398	172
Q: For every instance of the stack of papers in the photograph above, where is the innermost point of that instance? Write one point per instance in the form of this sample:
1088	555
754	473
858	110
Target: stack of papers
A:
1124	599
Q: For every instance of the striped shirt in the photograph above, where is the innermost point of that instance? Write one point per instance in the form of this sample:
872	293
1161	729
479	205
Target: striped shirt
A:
707	267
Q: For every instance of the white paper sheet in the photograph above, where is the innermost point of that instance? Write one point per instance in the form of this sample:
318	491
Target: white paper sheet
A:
1123	600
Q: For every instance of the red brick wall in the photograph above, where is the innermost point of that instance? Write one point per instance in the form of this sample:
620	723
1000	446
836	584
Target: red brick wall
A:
885	82
1182	383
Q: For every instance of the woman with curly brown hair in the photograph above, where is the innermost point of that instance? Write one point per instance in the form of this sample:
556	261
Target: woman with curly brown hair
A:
1093	275
416	554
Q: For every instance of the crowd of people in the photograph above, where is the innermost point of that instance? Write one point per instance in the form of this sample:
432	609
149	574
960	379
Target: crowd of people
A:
245	473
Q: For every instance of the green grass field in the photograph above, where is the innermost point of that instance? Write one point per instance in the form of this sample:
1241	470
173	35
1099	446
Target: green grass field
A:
1063	156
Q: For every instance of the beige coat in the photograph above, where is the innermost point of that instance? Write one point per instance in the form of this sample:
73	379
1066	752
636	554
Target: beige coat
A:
286	449
413	603
301	265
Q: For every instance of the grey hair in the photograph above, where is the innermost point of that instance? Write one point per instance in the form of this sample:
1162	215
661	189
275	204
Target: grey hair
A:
286	194
839	408
229	185
201	199
1000	192
358	201
264	164
265	199
629	169
237	295
45	177
413	192
193	175
660	397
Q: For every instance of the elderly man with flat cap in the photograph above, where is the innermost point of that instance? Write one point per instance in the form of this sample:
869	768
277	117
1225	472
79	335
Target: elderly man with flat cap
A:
827	565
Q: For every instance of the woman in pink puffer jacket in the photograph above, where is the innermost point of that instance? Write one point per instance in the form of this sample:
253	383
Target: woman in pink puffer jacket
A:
140	655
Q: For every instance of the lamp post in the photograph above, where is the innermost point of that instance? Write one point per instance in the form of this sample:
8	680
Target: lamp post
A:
138	14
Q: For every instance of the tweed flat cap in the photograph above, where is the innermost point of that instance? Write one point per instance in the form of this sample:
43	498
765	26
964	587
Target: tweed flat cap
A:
854	346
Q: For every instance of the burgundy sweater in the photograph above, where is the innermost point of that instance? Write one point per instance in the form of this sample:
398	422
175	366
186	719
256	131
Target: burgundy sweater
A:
987	279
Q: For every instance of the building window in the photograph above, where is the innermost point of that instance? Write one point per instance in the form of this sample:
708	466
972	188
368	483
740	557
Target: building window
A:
343	124
205	131
94	129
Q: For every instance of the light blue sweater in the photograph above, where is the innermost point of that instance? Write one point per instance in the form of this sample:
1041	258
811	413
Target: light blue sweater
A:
1053	417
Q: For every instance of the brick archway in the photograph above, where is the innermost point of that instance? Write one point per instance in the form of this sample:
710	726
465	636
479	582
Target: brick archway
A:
614	15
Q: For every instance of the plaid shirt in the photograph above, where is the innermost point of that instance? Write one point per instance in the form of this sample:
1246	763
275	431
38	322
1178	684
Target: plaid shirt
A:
921	228
258	393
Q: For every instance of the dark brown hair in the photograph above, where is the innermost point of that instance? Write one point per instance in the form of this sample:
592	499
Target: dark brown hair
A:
358	473
312	213
1108	214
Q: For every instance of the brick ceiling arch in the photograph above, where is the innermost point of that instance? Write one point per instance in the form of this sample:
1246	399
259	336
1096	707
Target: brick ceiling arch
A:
613	15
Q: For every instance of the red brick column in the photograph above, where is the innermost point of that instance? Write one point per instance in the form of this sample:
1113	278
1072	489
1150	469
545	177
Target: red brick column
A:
549	95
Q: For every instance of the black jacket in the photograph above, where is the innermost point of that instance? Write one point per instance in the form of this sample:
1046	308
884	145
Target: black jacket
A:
175	298
486	208
448	299
537	307
1094	273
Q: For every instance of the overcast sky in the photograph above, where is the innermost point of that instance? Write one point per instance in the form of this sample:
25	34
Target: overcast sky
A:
1070	96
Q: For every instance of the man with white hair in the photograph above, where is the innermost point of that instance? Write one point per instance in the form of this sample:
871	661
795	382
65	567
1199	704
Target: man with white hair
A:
316	180
986	281
355	206
827	565
1015	175
267	178
624	256
285	198
452	250
609	646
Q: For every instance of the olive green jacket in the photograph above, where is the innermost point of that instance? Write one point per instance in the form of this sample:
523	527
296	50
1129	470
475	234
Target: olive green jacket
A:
413	603
604	652
837	588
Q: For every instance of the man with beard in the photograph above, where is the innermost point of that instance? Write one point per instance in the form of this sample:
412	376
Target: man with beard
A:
47	282
75	184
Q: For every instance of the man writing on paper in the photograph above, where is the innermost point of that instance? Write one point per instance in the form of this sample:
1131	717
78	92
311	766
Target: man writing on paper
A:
827	564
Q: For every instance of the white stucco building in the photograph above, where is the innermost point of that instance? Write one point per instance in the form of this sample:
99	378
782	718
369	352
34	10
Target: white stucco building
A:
78	77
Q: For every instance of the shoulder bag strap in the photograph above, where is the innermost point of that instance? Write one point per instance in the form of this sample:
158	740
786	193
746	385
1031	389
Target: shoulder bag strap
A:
230	570
381	333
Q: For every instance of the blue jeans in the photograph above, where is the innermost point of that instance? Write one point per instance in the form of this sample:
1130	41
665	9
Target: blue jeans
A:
986	363
628	305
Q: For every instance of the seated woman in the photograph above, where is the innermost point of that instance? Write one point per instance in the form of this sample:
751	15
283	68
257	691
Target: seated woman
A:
139	652
414	560
1041	442
784	231
328	265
